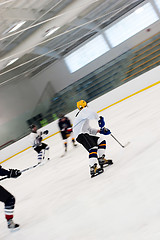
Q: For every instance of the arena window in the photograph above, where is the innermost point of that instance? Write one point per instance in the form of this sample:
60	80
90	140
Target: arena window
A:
135	22
86	54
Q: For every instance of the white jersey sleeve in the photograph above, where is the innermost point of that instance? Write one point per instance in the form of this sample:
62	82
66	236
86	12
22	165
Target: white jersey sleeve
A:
34	138
81	123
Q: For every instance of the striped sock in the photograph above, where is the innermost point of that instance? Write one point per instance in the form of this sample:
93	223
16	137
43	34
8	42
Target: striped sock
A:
40	156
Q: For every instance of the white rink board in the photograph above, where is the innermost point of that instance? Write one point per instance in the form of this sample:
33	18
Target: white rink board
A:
105	100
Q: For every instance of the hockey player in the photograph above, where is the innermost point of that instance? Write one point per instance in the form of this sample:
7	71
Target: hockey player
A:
42	149
7	198
86	135
65	127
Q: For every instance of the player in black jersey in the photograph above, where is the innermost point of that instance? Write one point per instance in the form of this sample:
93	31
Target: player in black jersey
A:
65	127
7	198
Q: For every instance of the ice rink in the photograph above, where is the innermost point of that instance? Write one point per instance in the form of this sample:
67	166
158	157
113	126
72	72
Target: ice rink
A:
59	200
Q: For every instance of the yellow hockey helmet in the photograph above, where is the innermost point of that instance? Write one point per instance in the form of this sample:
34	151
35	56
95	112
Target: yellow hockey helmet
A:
81	104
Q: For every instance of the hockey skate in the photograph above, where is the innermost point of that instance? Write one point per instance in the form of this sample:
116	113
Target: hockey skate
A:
104	162
65	147
94	170
74	143
12	226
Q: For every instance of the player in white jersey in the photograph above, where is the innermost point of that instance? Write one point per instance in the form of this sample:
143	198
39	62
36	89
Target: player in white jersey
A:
86	136
42	149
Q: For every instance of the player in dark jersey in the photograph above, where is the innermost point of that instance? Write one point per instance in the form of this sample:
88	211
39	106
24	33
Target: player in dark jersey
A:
65	127
7	198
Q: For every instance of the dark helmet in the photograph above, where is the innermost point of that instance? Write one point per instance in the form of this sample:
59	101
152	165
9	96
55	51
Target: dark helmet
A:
32	126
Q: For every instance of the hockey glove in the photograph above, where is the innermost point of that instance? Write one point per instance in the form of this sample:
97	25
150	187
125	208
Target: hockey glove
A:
46	132
105	131
14	173
101	122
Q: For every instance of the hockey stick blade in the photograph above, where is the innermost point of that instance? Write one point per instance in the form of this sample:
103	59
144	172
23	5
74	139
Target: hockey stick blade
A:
126	144
119	142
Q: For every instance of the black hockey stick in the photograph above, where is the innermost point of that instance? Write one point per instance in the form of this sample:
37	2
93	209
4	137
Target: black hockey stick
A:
119	142
24	170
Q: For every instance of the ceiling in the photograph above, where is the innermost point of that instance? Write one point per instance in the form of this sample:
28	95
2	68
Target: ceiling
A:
75	21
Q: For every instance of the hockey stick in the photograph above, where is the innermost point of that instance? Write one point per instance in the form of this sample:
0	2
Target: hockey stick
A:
118	141
3	178
24	170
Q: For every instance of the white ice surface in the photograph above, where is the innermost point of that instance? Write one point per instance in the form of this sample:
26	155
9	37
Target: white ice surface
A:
59	200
